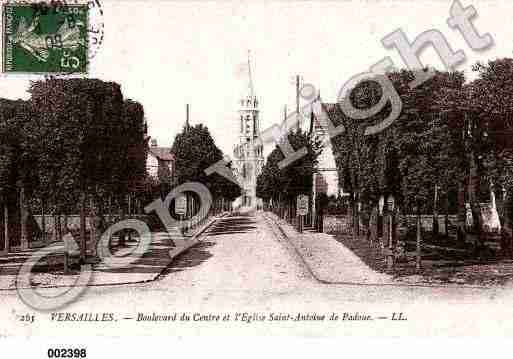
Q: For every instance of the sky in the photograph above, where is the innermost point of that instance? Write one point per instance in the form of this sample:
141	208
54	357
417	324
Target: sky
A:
166	54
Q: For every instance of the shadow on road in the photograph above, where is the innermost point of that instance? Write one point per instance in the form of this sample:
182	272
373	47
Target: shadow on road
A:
190	258
156	259
232	225
153	261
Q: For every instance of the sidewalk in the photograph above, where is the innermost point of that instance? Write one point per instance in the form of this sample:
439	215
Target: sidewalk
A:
145	269
328	260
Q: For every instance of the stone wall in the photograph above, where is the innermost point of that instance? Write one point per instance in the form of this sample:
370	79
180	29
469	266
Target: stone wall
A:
337	224
73	220
342	224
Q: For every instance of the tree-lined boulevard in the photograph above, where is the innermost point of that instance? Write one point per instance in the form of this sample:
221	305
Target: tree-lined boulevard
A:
242	266
75	154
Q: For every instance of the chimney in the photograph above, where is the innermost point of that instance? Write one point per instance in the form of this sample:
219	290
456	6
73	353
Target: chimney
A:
153	142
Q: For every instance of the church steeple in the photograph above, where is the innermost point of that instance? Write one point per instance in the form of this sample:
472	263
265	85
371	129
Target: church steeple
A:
248	110
248	152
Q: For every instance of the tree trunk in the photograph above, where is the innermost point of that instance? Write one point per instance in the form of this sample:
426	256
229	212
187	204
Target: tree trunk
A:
373	226
23	219
109	209
506	228
7	243
94	219
435	212
503	203
59	227
122	241
130	210
83	242
66	221
461	213
446	218
43	221
418	262
353	219
390	240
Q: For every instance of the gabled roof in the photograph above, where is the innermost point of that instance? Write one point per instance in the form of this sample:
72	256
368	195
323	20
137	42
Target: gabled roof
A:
332	111
162	153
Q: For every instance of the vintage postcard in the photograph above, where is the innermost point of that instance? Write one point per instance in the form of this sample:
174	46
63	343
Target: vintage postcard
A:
306	169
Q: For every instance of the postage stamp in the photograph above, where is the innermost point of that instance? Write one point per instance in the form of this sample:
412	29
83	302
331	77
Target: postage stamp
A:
42	38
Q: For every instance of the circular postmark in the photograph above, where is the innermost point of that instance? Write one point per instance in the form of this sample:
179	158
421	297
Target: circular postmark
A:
96	27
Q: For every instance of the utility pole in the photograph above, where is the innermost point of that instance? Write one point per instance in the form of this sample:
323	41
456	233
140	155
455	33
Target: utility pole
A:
187	116
297	102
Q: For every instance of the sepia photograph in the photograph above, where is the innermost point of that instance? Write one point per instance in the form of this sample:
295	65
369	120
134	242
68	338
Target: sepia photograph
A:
309	169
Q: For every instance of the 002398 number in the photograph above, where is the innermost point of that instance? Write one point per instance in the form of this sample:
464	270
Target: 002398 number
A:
67	353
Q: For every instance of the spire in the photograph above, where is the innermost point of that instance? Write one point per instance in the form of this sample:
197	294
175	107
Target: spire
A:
251	89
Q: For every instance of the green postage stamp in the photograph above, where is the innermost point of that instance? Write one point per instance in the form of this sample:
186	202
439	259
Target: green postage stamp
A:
42	38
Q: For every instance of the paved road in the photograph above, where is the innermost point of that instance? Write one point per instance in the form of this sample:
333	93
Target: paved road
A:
241	266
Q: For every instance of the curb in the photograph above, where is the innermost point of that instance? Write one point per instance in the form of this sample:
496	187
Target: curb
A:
153	279
184	249
272	223
398	284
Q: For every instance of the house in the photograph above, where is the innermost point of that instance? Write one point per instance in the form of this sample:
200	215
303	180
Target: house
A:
326	169
160	163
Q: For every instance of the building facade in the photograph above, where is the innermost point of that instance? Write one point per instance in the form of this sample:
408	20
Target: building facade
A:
327	174
160	163
248	152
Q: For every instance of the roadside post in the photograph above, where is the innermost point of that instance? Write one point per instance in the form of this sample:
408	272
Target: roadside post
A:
302	209
180	207
381	205
390	249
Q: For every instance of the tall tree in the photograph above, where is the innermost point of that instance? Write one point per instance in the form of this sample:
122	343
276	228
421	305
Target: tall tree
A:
411	159
283	185
76	116
195	151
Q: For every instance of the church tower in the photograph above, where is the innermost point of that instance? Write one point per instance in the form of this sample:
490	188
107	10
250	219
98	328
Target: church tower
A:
248	152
